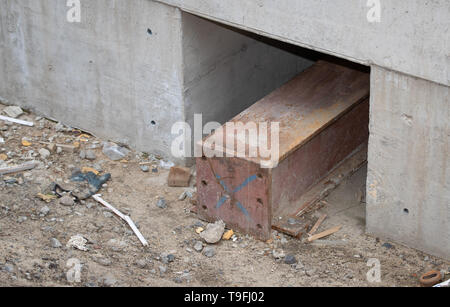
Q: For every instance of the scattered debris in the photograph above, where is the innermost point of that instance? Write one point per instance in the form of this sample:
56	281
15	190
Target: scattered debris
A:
445	284
324	234
290	259
86	170
77	242
67	201
124	217
145	168
317	225
55	243
162	204
278	254
227	235
213	232
44	153
13	111
166	165
44	211
26	143
114	151
199	230
179	176
198	246
209	251
47	198
16	169
94	183
431	278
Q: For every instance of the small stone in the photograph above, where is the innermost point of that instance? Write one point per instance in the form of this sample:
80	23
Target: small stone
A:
278	254
227	235
109	281
115	152
67	201
290	259
162	270
387	245
178	280
167	258
162	204
55	243
44	153
141	263
44	211
198	246
108	214
8	267
209	251
213	232
103	261
145	168
22	219
13	111
90	155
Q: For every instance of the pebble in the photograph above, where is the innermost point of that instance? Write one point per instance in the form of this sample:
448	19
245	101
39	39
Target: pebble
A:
198	246
278	254
145	168
22	219
290	259
167	258
44	211
103	261
387	245
162	204
209	251
213	232
44	153
109	281
55	243
162	270
67	201
108	214
141	263
8	267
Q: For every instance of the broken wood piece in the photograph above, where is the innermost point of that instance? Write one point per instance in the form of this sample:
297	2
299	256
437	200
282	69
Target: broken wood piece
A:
324	234
317	225
67	148
124	217
179	176
19	168
16	121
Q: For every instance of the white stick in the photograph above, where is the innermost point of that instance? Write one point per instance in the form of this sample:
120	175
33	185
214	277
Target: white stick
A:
16	121
444	284
124	217
17	169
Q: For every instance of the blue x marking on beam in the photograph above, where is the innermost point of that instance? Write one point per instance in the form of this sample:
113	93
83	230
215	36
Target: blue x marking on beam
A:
223	199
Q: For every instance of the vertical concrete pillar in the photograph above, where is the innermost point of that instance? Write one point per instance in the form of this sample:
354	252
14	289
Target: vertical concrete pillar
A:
408	181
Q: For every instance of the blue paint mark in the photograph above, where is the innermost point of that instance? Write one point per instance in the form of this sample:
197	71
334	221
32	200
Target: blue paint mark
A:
246	183
240	206
221	202
223	199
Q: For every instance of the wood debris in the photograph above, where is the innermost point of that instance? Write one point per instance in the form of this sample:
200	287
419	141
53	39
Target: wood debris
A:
324	234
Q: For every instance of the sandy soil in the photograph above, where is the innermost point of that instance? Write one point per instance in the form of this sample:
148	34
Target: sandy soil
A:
116	257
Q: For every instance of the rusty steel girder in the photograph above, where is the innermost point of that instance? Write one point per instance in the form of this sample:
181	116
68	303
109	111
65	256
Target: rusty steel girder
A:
323	115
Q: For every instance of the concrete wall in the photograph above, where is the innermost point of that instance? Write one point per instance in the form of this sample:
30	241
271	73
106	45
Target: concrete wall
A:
226	71
409	169
412	36
106	74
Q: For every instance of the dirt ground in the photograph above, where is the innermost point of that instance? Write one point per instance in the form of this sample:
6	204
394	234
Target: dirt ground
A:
30	255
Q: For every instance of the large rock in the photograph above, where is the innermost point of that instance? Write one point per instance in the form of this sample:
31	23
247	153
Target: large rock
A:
213	232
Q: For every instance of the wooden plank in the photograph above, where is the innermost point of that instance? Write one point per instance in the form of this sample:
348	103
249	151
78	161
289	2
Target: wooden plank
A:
324	234
17	169
317	225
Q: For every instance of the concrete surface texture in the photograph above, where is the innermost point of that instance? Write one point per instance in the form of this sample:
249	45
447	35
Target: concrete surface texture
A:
226	71
408	197
411	37
107	74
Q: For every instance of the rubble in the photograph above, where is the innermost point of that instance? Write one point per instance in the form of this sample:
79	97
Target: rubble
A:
13	111
213	232
114	151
